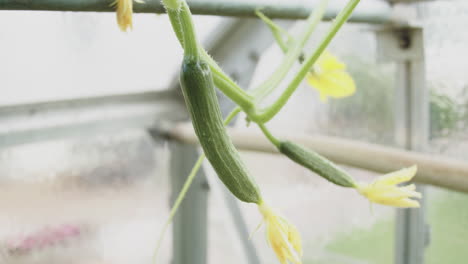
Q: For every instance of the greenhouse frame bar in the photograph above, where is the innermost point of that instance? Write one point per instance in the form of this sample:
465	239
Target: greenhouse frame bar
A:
161	112
366	13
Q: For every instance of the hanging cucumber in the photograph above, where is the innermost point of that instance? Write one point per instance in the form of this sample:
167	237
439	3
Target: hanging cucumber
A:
198	88
316	163
200	97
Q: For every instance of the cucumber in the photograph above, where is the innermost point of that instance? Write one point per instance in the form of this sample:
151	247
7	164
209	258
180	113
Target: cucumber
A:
200	97
316	163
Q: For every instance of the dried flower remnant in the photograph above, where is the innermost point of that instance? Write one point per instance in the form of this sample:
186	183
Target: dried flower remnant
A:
124	13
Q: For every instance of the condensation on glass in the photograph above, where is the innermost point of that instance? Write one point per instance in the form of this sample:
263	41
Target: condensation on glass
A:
60	55
92	199
446	39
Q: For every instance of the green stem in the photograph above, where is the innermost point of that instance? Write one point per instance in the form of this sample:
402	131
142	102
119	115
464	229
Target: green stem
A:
171	4
292	55
268	113
231	115
191	46
177	203
270	136
228	86
221	80
277	31
176	26
185	188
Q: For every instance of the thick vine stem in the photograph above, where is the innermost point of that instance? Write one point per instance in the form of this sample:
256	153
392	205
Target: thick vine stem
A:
181	19
266	114
191	46
229	87
221	80
172	4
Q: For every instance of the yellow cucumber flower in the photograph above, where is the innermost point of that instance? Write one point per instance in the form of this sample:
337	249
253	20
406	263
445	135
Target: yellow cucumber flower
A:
124	14
384	190
282	236
329	77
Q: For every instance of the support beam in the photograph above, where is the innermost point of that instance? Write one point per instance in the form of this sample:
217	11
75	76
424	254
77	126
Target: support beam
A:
432	169
367	12
190	226
405	47
35	122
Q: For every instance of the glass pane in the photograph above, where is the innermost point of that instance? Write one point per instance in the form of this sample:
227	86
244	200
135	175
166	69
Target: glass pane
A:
56	55
445	37
364	233
447	216
88	200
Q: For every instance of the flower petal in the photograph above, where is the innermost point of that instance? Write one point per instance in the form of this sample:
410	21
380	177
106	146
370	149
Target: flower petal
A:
337	84
392	192
328	62
397	177
330	78
402	203
282	237
295	239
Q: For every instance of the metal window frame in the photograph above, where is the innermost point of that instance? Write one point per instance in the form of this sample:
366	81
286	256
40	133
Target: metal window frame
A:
369	11
405	47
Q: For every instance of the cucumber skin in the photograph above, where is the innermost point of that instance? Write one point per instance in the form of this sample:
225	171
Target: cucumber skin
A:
316	163
200	97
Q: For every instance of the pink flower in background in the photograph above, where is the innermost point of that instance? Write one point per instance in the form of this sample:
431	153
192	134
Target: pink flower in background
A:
45	237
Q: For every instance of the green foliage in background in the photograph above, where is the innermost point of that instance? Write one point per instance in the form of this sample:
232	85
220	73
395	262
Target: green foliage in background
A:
447	217
369	112
445	114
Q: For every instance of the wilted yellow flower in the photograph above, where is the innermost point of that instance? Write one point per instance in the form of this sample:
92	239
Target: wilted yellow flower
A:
282	236
330	78
384	190
124	13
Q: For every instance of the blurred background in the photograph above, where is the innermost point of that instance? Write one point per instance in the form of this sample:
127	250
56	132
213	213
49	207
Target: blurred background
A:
102	198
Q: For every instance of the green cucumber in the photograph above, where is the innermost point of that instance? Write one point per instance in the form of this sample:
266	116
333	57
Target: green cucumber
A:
200	97
316	163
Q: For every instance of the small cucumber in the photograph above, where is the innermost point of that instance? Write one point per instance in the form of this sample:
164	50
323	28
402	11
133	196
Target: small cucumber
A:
200	97
316	163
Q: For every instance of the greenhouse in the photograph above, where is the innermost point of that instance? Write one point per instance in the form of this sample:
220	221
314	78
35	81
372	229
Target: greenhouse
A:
233	131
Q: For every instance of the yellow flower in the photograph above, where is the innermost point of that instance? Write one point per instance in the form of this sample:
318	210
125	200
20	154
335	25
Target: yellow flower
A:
384	190
330	78
124	14
282	236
